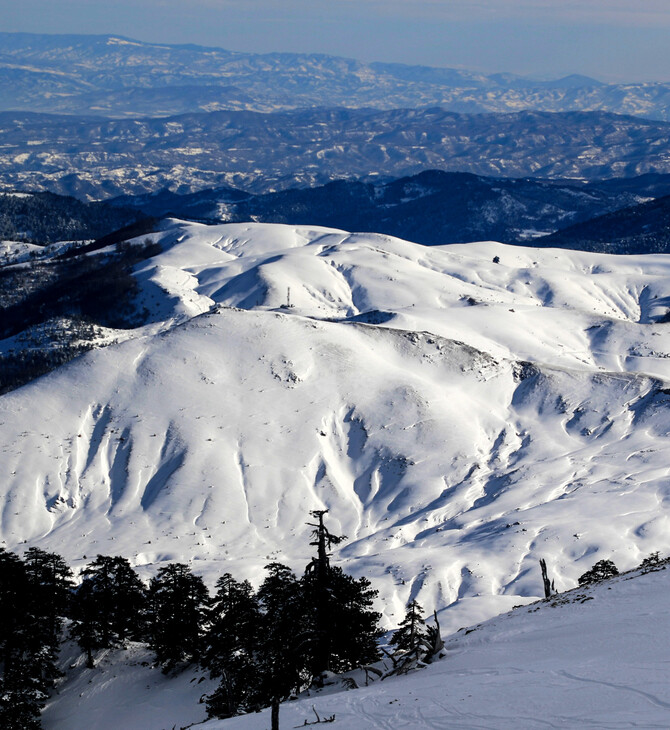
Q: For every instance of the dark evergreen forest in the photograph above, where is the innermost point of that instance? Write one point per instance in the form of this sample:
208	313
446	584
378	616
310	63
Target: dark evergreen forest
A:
263	646
54	308
43	218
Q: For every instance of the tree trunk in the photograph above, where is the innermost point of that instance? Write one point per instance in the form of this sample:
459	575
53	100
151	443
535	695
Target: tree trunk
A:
89	658
275	714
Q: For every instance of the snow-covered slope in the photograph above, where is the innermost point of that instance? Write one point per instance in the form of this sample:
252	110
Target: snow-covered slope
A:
597	662
591	658
462	411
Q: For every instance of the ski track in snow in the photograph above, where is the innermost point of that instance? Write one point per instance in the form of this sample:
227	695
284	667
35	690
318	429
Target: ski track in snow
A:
595	657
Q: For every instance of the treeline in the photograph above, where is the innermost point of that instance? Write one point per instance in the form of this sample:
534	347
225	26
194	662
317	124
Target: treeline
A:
44	349
98	288
55	307
35	594
46	217
263	646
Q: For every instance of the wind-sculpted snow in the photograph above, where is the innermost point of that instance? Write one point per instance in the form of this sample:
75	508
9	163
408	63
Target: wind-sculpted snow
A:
461	410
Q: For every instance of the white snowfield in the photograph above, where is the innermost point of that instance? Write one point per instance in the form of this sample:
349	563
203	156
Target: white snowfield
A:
460	418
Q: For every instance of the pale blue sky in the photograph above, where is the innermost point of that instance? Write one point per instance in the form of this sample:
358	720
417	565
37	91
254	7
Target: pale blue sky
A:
614	40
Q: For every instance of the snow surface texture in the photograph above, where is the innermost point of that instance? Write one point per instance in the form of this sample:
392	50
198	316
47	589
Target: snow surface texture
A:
460	418
600	662
595	657
125	691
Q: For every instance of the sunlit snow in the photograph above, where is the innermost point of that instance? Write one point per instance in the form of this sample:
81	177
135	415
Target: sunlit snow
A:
461	410
591	658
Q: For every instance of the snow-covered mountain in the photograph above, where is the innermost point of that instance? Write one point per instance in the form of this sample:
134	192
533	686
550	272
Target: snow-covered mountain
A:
462	410
114	76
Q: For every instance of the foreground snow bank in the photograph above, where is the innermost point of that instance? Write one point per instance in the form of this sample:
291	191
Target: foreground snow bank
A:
125	691
592	658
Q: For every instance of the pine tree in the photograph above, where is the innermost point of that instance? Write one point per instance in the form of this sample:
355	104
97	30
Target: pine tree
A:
21	696
27	652
13	599
178	609
416	644
280	649
318	582
231	641
412	633
269	646
128	614
88	620
109	607
49	585
354	626
342	629
602	570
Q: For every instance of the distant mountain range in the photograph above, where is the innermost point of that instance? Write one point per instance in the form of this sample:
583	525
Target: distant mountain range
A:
433	207
113	76
643	228
260	153
259	137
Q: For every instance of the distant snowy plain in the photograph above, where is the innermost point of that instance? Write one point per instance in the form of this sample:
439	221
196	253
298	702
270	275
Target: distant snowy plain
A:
463	411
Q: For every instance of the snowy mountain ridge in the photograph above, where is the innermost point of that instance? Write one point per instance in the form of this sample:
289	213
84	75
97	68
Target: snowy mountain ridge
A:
462	410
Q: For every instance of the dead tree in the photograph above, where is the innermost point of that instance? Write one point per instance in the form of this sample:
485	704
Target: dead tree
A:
435	641
549	587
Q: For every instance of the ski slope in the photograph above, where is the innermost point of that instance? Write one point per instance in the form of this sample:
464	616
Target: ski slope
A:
463	411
